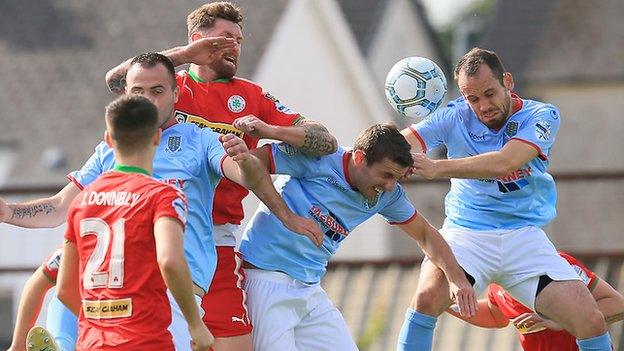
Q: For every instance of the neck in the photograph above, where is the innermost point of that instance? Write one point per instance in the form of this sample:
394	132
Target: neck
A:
168	123
142	160
205	73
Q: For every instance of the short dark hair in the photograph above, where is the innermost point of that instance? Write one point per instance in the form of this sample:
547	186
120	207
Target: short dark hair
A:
384	141
131	121
472	60
204	16
152	59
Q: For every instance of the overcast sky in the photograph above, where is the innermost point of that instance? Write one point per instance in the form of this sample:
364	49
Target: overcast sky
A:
441	12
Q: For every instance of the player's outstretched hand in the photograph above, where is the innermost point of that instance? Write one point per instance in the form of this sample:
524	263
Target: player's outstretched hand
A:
254	127
201	338
464	296
305	226
205	51
423	166
5	211
235	147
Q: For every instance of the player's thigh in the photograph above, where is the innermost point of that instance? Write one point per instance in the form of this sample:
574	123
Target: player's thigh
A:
571	305
324	328
225	303
179	327
528	253
273	307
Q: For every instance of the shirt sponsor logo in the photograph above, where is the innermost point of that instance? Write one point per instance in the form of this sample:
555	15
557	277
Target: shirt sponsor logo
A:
221	128
335	230
236	103
109	198
178	183
335	183
107	309
542	130
514	180
476	137
173	143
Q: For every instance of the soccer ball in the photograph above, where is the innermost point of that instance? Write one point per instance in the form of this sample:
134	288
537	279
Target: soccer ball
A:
415	87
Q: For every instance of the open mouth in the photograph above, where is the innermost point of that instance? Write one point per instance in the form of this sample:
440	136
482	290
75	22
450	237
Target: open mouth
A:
229	58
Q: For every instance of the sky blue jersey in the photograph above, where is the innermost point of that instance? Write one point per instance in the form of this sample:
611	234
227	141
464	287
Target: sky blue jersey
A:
189	158
524	197
317	188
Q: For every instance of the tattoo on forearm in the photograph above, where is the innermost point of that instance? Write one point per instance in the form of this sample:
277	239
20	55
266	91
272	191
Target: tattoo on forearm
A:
117	82
318	141
614	318
32	211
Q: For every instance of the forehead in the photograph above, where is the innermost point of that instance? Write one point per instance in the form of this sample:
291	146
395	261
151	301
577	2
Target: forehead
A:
389	166
157	75
222	26
481	81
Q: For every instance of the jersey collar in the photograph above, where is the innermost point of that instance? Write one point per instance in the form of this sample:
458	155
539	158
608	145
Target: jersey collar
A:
196	78
346	157
129	169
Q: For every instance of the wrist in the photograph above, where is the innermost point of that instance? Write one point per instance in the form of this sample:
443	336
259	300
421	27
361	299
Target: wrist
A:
177	57
273	132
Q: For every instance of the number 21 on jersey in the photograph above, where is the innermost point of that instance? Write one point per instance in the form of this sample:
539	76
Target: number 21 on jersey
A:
93	277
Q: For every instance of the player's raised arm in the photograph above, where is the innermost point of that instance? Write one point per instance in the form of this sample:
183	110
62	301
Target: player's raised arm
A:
438	251
488	165
200	52
249	171
310	137
41	213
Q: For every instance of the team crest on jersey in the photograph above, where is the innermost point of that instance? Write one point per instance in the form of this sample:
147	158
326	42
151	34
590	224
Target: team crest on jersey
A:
542	130
236	103
173	143
511	129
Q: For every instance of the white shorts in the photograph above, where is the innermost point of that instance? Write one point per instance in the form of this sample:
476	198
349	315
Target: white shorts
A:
288	314
514	259
178	327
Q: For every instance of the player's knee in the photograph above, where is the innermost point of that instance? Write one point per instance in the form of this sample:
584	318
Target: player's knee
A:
589	325
431	301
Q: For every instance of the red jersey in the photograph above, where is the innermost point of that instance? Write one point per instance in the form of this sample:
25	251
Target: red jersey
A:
216	105
546	339
124	300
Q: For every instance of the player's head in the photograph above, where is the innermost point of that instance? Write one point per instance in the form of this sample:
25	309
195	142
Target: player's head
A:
152	75
484	83
218	19
381	156
132	125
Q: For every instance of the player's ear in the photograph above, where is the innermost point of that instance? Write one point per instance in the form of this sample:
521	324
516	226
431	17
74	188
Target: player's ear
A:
508	81
108	139
359	157
176	94
195	36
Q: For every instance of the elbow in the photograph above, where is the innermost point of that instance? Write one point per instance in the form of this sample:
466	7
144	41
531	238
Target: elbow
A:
168	264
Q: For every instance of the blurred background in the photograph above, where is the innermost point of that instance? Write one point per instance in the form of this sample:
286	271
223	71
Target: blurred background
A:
328	59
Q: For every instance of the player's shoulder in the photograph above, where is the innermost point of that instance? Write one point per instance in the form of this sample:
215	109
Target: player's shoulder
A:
455	109
245	82
539	109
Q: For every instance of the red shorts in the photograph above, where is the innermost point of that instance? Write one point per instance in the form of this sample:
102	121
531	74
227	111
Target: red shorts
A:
224	304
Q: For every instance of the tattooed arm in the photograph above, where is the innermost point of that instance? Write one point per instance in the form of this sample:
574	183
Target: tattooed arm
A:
41	213
310	137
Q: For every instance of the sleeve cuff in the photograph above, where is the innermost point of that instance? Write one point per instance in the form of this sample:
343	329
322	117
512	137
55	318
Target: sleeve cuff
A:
413	217
423	146
539	150
75	181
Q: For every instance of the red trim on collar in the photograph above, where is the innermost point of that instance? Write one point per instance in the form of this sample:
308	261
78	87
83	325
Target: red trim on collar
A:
516	103
346	157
